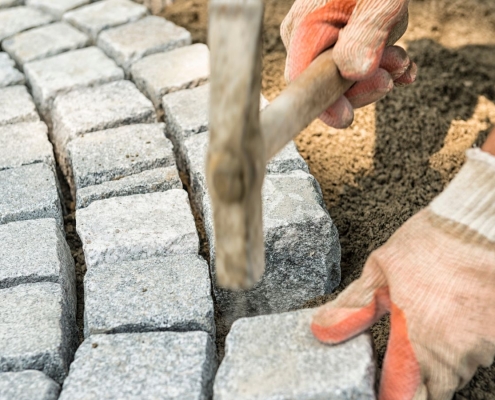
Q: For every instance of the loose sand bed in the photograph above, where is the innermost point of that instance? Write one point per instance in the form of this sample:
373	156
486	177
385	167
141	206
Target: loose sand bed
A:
400	153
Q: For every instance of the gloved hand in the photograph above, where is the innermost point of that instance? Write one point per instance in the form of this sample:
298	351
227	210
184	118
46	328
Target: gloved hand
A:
436	276
359	30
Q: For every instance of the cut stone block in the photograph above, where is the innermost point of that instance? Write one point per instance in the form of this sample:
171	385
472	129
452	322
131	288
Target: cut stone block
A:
94	109
43	42
27	385
137	227
16	105
57	8
117	153
94	18
10	3
68	71
29	192
9	75
157	294
18	19
154	180
277	357
162	73
23	144
287	160
156	365
38	329
128	43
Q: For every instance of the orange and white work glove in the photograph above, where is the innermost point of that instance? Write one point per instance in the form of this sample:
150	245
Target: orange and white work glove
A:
359	30
436	276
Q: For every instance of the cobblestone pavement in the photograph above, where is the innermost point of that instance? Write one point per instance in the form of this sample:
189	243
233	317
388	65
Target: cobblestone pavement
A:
117	100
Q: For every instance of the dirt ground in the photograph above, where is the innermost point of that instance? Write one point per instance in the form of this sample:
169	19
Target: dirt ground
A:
400	153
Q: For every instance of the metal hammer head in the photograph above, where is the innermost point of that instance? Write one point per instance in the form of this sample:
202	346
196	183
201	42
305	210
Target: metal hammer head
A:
236	157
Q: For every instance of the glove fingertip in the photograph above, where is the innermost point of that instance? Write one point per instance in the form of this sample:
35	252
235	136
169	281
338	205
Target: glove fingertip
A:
356	62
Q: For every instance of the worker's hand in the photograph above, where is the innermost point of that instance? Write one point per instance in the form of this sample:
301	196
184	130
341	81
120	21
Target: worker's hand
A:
436	276
359	30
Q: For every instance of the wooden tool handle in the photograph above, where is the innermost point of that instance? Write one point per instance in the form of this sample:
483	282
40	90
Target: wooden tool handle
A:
311	93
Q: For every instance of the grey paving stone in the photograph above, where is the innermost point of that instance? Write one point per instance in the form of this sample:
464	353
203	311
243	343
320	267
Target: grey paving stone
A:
94	18
137	227
62	73
301	241
10	3
162	73
29	192
38	329
23	144
16	105
43	42
57	8
128	43
287	160
156	294
154	180
27	385
18	19
117	153
94	109
276	357
9	75
24	258
156	365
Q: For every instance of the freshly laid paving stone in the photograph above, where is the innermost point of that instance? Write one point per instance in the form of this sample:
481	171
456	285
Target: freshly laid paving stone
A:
29	192
156	365
116	153
16	105
18	19
24	258
94	18
162	73
128	43
301	241
156	294
43	42
38	329
94	109
56	7
9	75
68	71
23	144
276	357
137	227
287	160
154	180
27	385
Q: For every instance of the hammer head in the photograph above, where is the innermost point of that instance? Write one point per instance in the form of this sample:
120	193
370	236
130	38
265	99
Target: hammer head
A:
236	157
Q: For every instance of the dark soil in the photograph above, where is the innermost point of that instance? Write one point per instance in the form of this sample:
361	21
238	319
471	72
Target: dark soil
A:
400	153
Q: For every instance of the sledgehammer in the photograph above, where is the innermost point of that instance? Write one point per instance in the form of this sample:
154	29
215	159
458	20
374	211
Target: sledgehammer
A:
242	140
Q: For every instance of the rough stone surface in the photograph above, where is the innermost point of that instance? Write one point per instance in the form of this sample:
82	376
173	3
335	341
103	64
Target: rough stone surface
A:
38	329
156	365
27	385
116	153
94	18
24	258
43	42
154	180
16	105
68	71
18	19
157	294
276	357
128	43
23	144
9	75
94	109
162	73
29	192
287	160
57	8
137	227
10	3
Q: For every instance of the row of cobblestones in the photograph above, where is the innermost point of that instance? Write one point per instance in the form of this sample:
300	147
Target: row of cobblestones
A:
103	75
